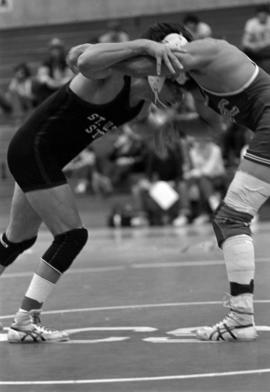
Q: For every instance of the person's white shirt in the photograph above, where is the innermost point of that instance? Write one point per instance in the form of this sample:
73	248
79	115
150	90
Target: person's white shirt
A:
207	160
256	34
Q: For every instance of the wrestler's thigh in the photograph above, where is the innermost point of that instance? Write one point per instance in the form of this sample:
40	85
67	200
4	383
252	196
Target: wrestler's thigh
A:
56	207
256	160
24	222
256	169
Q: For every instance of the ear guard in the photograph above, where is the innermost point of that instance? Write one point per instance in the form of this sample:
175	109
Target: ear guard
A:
174	41
156	83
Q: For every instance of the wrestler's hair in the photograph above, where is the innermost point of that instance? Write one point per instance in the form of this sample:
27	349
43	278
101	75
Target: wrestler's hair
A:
159	31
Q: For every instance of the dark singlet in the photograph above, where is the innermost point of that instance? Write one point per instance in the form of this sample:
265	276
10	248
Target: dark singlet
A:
245	106
249	107
59	129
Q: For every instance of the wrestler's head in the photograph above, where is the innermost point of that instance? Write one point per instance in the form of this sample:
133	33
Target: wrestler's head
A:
167	91
159	31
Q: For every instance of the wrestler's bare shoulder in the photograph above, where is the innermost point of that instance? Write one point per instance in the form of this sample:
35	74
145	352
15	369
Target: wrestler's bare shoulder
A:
95	90
206	44
202	52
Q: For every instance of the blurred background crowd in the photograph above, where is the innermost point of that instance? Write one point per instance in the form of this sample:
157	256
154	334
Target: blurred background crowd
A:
179	185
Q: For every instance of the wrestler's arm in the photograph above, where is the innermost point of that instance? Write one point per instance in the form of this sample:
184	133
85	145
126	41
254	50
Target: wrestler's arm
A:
199	53
193	56
104	57
73	56
140	66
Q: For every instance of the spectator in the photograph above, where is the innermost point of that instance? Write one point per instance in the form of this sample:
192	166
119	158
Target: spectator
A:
127	156
20	90
247	136
233	141
208	173
256	37
196	27
114	34
164	165
54	72
87	174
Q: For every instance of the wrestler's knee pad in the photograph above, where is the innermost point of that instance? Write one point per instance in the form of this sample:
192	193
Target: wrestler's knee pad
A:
65	248
247	193
245	196
9	251
227	222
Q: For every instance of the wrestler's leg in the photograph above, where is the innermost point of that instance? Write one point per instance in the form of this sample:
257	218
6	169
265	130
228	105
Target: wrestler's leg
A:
21	231
248	191
56	207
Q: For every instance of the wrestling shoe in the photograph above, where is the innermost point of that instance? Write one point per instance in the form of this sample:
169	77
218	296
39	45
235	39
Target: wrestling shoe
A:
238	325
27	328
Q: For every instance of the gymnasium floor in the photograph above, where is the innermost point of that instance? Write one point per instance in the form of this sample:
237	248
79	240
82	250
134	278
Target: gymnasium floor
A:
130	302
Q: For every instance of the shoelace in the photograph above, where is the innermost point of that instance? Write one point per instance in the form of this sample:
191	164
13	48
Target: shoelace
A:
231	315
42	328
37	322
226	321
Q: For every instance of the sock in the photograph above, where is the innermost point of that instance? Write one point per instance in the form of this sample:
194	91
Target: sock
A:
239	258
244	304
240	264
40	287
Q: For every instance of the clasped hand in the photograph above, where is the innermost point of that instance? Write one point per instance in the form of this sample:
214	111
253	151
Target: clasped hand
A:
164	54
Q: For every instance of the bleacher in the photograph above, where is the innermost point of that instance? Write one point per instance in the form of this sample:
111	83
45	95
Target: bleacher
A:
29	44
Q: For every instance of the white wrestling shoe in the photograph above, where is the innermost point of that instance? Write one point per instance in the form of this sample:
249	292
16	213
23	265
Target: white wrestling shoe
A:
237	326
26	328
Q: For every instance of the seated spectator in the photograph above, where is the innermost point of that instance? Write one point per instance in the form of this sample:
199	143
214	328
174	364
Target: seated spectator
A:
208	174
256	37
233	141
164	165
114	33
54	71
20	90
126	157
248	135
196	27
87	174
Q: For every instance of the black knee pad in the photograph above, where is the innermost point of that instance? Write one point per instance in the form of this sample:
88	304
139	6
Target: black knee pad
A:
228	222
65	248
9	251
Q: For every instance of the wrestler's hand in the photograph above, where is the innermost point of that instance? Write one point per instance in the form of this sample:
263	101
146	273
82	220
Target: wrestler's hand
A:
73	56
164	55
